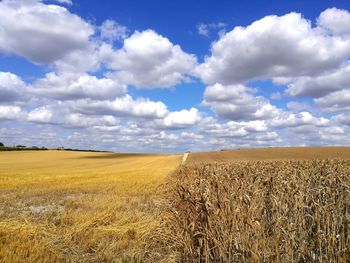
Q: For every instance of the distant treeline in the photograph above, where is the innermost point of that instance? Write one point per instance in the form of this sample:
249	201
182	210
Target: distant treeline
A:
79	150
36	148
21	148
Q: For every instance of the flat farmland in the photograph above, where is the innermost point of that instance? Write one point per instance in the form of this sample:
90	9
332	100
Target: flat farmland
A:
248	205
269	154
60	206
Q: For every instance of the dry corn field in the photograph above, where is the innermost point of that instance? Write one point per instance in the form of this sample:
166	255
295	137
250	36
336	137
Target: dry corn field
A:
257	211
58	206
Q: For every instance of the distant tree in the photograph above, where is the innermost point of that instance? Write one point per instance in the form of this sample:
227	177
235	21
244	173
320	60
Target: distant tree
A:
1	144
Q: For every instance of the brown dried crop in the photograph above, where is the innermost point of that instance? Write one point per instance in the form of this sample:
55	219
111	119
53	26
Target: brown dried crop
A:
258	211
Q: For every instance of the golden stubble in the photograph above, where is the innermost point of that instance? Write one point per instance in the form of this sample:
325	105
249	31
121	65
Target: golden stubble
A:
59	206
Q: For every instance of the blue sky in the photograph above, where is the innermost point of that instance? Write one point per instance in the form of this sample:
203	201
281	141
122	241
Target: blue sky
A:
156	76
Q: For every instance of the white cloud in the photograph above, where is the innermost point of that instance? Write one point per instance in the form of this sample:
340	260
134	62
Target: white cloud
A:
258	51
255	126
11	87
343	119
149	60
330	90
134	129
10	112
52	33
205	29
80	61
180	119
311	135
105	128
240	134
321	85
80	120
111	30
234	129
42	114
237	102
167	137
336	21
299	106
338	101
67	2
76	86
191	136
285	120
124	106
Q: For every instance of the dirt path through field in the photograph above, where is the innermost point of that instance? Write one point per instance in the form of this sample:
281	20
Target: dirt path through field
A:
184	158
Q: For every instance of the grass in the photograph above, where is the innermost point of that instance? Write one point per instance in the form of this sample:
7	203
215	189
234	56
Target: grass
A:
257	211
59	206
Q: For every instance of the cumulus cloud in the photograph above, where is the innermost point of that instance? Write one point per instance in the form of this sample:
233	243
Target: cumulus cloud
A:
233	128
336	21
42	114
191	136
238	134
11	87
80	61
343	119
237	102
309	135
53	32
286	120
136	129
79	120
61	115
299	106
258	51
180	119
335	102
76	86
149	60
111	30
321	85
10	112
124	106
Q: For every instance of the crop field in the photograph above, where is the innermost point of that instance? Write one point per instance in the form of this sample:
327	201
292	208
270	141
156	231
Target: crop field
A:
258	211
58	206
283	153
258	205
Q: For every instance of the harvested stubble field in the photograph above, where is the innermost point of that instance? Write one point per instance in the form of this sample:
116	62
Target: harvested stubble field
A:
257	211
59	206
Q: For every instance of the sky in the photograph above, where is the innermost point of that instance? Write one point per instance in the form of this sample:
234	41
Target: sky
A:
174	76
